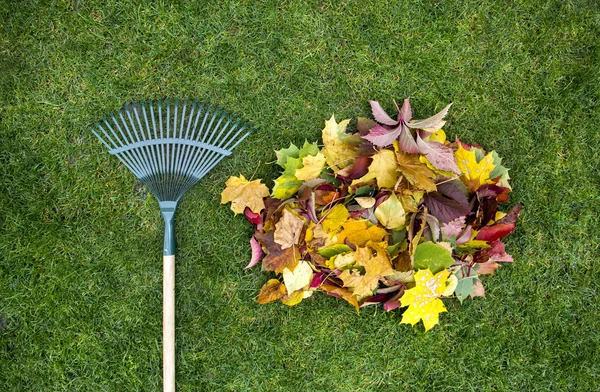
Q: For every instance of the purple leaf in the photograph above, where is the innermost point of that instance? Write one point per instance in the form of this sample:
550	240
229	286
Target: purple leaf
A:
364	125
381	136
465	237
405	111
318	279
440	155
512	215
407	141
380	115
394	302
256	252
448	203
494	232
435	121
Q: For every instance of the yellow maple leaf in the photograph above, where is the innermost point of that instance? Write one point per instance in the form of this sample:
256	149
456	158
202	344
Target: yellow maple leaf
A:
242	193
288	229
376	262
476	173
415	171
423	300
312	167
383	168
337	152
357	233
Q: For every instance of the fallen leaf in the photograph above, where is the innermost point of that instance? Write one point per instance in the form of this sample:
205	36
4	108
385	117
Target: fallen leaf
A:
288	229
423	300
271	291
440	155
358	233
433	257
256	252
277	259
416	172
383	169
299	278
242	193
476	173
335	218
338	153
312	167
341	292
391	213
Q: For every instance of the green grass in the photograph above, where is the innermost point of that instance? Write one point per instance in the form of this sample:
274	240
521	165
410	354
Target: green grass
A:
80	239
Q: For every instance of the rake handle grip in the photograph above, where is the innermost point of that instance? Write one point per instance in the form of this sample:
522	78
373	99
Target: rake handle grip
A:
169	323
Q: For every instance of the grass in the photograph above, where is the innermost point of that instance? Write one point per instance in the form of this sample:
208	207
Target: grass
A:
80	272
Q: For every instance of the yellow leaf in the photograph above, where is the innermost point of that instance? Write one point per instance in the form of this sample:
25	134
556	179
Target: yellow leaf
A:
298	279
475	173
423	300
337	152
288	229
357	233
271	291
293	299
376	262
390	213
416	172
242	194
383	168
438	136
335	218
312	167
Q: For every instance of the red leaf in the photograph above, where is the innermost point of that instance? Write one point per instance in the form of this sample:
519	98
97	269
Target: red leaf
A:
383	137
494	232
380	115
252	217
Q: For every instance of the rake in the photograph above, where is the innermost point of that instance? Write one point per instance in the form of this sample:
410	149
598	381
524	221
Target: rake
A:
170	146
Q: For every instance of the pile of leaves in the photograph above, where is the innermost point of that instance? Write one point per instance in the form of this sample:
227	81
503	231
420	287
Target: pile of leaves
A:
391	214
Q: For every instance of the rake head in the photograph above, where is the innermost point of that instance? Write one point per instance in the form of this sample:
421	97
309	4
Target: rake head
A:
170	146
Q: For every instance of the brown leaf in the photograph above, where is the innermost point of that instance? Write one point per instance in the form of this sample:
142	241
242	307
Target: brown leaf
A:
416	172
288	229
271	291
277	259
340	292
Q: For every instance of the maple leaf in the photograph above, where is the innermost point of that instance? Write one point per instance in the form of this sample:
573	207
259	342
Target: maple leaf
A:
288	229
423	300
358	233
277	259
383	168
416	172
242	193
282	155
311	167
391	213
299	278
271	291
337	151
376	263
476	173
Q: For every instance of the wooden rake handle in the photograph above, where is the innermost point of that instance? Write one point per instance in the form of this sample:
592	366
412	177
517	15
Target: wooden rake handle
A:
169	323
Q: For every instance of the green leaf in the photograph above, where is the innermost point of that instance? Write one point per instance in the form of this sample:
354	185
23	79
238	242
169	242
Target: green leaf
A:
432	256
390	213
364	191
285	153
499	170
466	283
333	250
285	187
308	149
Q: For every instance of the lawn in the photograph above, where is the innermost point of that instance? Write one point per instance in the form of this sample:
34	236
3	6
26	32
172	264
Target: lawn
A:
80	237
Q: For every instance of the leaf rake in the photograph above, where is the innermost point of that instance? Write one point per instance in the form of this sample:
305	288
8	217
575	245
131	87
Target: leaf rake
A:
170	146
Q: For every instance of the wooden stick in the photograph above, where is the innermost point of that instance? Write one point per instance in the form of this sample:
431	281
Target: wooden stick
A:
169	323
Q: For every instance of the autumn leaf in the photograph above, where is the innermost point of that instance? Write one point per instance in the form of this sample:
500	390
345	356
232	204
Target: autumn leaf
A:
242	193
299	278
423	300
476	173
358	233
433	257
256	252
277	259
391	213
335	218
271	291
376	263
311	167
340	292
440	155
383	169
337	151
416	172
288	229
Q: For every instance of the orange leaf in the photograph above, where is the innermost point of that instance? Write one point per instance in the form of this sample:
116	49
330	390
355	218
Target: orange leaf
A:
277	259
271	291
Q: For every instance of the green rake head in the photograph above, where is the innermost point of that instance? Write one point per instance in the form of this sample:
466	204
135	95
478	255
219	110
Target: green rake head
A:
170	146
